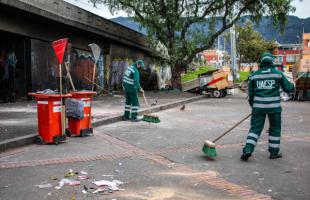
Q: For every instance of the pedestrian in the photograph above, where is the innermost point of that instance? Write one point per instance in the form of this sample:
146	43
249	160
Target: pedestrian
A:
131	86
264	99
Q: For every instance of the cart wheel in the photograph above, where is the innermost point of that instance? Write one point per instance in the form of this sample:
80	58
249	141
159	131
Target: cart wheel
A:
217	93
38	140
224	93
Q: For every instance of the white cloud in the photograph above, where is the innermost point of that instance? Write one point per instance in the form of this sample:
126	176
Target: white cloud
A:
302	8
100	9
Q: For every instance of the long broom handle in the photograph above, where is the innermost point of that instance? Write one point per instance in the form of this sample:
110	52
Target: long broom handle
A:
148	107
237	124
94	70
67	68
96	84
62	107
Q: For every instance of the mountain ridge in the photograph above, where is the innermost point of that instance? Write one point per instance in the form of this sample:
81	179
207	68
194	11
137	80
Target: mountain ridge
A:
293	28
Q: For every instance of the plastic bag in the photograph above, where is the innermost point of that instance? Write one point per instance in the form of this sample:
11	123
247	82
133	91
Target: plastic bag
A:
74	108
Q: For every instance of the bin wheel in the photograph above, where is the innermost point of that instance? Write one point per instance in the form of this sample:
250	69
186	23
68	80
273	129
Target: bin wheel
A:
82	134
38	140
68	133
217	93
56	142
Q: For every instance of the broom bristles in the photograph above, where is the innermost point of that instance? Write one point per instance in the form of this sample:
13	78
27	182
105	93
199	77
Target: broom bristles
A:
209	151
151	118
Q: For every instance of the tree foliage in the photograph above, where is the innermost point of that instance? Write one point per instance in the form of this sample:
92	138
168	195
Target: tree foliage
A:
174	22
251	44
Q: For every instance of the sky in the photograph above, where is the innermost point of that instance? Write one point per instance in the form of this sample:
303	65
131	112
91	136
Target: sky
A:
302	8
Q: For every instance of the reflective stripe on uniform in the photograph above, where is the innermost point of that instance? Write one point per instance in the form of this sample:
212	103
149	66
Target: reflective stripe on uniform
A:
267	98
128	82
274	145
249	141
273	138
131	69
128	79
254	135
267	58
262	76
271	105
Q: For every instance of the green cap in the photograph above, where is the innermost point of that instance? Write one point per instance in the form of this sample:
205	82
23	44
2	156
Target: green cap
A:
267	58
141	63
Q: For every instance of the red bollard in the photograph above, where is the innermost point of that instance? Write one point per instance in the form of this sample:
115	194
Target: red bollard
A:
49	117
81	127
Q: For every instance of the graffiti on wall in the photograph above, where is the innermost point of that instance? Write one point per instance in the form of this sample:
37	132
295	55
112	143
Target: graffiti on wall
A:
117	70
80	65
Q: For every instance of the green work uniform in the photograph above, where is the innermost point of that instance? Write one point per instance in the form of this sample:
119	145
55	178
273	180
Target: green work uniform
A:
264	98
131	86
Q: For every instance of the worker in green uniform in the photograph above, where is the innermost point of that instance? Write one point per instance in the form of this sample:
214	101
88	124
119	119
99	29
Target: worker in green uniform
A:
264	98
131	85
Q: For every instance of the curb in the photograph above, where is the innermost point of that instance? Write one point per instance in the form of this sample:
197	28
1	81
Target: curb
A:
117	118
17	142
29	139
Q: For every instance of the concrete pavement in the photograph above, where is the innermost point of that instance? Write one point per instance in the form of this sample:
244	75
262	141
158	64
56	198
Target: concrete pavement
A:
18	121
164	161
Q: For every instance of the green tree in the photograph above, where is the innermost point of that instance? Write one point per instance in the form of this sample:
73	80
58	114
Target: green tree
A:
250	44
180	25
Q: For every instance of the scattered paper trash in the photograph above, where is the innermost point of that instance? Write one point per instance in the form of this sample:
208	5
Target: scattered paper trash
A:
49	194
99	190
270	190
171	165
108	175
83	172
120	164
113	185
42	186
65	181
84	192
83	177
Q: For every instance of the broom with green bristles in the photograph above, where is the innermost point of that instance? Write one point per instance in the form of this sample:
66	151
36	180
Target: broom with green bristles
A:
209	146
149	117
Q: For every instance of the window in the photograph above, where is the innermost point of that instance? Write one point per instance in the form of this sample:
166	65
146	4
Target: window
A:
280	59
290	58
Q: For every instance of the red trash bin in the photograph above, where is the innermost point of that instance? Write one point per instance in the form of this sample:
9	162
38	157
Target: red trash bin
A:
49	117
81	127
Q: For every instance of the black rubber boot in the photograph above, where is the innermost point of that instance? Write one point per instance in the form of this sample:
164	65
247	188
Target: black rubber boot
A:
279	155
126	118
245	156
136	120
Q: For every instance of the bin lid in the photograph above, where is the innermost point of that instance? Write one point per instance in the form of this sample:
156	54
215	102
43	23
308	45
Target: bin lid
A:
83	92
45	96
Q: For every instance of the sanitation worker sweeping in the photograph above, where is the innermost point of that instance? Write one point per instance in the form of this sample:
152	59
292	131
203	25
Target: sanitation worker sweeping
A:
264	99
131	86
